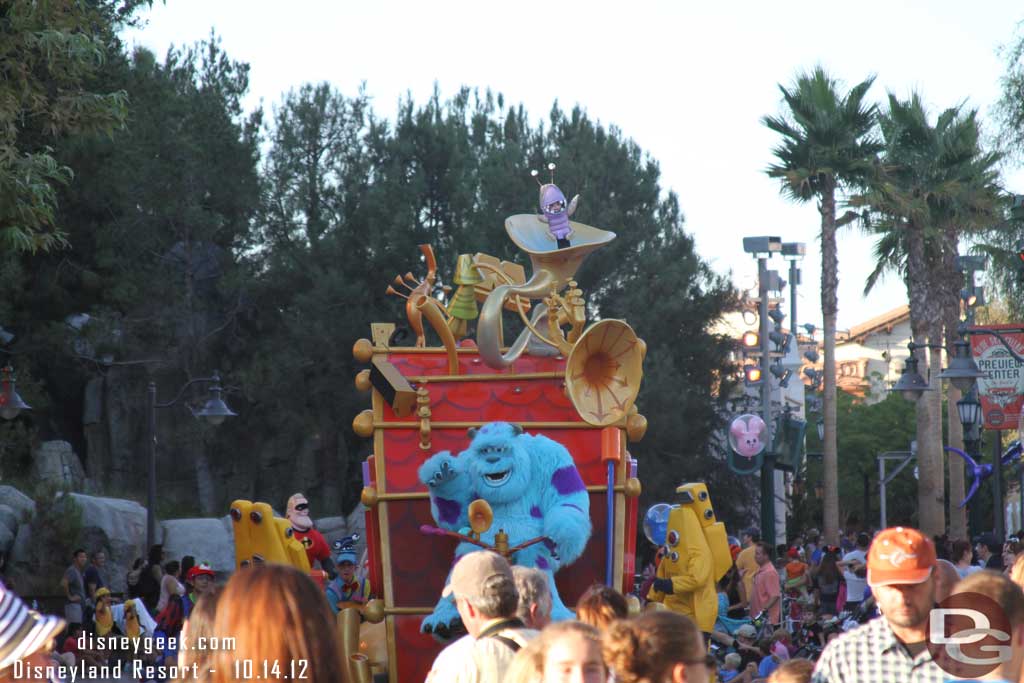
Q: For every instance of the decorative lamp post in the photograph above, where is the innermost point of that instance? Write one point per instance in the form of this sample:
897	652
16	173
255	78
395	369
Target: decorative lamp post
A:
10	402
963	372
911	384
213	411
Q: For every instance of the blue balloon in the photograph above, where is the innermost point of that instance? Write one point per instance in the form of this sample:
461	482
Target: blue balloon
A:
656	523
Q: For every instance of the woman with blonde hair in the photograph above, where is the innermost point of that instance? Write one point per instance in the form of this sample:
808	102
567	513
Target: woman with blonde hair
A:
197	642
657	647
566	650
1017	571
281	625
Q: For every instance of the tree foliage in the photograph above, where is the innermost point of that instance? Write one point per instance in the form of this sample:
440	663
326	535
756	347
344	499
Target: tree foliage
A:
190	250
50	54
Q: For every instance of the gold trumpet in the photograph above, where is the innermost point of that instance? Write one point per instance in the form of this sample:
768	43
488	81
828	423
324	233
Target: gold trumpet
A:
604	365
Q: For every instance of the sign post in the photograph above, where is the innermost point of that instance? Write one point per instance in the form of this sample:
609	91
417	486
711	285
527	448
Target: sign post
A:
1001	394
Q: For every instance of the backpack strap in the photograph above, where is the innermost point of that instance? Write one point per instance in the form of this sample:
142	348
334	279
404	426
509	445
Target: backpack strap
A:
511	644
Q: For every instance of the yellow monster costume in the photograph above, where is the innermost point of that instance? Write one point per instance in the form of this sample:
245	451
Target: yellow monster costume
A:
104	617
261	537
698	556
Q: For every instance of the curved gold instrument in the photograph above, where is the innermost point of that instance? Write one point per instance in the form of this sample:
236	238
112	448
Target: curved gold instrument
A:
603	373
605	362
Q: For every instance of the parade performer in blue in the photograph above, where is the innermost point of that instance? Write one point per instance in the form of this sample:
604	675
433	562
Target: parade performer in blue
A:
534	489
347	589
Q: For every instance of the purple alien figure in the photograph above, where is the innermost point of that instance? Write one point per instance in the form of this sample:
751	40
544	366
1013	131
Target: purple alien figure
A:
555	211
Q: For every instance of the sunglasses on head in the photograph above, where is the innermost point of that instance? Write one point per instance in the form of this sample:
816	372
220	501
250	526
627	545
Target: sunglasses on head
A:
302	507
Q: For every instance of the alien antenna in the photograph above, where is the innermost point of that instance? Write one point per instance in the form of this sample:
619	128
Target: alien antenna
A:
534	173
551	167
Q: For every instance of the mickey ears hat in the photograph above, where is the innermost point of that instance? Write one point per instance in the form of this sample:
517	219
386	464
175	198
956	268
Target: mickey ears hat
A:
346	549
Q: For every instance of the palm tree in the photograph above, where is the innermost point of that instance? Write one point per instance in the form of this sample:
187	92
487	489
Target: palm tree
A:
935	184
827	146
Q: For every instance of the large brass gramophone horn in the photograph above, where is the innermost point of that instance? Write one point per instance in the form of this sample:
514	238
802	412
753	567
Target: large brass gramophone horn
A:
605	362
603	373
553	268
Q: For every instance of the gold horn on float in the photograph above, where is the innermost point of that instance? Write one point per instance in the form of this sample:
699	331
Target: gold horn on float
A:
603	372
553	271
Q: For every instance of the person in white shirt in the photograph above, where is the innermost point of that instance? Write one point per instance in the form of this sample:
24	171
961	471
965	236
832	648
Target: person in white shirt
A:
854	566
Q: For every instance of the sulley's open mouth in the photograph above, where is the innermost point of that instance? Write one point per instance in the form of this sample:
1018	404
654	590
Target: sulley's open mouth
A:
497	478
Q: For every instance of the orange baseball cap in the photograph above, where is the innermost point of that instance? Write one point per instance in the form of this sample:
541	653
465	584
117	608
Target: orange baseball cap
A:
900	555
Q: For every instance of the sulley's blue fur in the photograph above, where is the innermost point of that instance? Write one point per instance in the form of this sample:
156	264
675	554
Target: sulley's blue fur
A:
534	489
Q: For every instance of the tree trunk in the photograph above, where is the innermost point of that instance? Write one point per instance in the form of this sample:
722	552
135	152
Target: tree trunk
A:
829	309
929	448
931	458
951	284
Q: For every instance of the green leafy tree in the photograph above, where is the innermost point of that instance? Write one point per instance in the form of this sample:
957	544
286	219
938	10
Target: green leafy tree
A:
50	53
827	147
865	431
343	217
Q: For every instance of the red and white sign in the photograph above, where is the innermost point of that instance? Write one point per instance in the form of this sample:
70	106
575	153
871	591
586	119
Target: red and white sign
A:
1002	391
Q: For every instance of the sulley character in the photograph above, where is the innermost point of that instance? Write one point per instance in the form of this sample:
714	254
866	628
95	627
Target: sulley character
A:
533	488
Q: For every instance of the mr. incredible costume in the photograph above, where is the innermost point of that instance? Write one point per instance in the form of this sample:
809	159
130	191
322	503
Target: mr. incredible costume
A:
698	556
312	540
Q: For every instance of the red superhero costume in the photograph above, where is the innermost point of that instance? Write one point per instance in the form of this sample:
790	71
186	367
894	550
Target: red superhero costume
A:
312	540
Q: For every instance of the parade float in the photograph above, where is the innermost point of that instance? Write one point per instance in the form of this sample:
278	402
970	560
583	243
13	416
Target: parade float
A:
519	447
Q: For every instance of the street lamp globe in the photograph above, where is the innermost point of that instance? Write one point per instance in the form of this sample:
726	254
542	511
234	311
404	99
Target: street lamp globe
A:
911	384
963	372
969	410
215	410
821	429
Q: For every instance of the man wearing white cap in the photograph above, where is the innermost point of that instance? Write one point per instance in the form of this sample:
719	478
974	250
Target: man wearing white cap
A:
894	646
484	590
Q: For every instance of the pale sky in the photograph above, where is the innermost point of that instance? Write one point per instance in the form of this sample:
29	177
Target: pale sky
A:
687	81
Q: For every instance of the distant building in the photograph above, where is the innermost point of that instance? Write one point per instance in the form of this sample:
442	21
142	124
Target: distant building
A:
870	356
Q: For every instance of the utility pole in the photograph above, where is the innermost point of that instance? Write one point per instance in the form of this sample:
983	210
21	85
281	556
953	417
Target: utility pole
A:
768	469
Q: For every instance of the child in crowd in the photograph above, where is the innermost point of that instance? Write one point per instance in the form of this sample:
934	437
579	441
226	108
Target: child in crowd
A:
731	668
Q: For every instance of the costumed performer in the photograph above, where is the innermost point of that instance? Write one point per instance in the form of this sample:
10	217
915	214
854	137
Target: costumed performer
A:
698	555
312	540
347	589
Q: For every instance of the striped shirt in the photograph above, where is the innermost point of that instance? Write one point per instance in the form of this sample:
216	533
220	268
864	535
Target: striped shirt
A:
872	654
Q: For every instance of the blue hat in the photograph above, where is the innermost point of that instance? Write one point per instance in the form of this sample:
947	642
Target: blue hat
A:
346	549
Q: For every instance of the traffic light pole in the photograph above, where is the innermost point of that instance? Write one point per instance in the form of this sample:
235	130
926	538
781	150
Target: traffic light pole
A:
768	469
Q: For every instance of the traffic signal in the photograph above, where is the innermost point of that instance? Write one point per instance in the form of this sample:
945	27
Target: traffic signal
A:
752	375
751	340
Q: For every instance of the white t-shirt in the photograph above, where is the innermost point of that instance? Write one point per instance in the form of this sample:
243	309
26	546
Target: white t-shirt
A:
450	659
855	586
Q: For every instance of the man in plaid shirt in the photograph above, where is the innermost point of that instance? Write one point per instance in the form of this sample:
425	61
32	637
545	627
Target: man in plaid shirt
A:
891	648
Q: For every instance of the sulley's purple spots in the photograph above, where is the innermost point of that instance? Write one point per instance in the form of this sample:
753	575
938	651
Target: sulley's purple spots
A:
535	512
567	480
448	511
570	505
542	563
